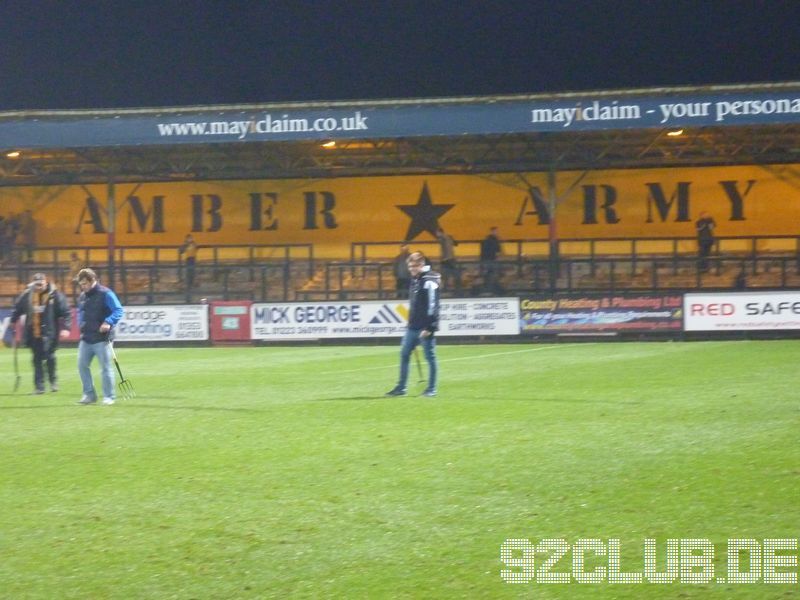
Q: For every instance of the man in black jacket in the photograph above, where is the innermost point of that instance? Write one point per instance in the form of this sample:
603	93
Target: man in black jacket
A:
400	268
490	249
423	322
47	319
705	239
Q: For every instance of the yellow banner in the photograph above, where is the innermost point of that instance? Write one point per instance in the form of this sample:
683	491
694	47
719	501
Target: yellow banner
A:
332	213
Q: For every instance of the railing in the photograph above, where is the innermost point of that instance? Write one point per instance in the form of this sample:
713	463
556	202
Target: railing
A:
370	251
275	273
252	255
57	261
682	274
375	280
676	247
224	282
163	283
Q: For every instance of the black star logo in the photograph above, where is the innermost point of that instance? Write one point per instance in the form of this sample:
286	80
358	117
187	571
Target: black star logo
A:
424	214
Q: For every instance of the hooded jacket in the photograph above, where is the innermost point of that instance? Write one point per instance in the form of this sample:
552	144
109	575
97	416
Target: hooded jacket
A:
423	300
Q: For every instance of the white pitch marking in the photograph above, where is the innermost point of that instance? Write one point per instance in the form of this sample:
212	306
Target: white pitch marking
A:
480	356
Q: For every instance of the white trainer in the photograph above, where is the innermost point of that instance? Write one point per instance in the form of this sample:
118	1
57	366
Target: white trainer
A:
87	399
108	401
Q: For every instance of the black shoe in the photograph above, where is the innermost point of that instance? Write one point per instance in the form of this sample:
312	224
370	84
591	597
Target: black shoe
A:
398	391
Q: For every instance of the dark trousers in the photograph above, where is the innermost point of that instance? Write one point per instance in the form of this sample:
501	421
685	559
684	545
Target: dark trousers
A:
190	263
44	353
451	273
704	251
402	288
491	277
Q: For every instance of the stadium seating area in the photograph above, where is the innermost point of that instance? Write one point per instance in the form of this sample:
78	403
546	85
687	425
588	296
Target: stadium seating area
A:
143	277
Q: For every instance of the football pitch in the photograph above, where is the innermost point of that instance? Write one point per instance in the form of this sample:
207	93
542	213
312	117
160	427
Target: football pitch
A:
283	472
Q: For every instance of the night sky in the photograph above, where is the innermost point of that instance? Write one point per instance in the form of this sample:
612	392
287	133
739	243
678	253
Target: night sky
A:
112	54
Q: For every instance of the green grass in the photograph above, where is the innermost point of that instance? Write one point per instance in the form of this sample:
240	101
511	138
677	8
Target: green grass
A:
283	472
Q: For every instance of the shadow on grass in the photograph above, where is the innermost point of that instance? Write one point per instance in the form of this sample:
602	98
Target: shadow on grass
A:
411	395
60	405
47	400
234	409
121	403
353	398
551	400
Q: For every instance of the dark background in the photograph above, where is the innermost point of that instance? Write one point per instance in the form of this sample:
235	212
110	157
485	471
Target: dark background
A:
116	54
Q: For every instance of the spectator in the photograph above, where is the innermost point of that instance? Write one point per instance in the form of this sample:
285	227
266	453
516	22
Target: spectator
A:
74	267
705	239
740	283
4	245
9	238
447	253
189	251
490	250
401	275
28	229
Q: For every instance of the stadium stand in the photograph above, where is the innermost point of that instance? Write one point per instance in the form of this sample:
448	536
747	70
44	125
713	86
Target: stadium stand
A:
153	275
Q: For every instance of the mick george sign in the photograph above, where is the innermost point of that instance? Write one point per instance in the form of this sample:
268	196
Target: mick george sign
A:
463	317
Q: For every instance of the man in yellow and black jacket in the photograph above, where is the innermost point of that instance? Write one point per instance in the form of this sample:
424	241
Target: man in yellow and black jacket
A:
47	320
189	252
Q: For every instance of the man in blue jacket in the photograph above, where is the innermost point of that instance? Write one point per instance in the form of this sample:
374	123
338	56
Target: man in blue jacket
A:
423	322
99	310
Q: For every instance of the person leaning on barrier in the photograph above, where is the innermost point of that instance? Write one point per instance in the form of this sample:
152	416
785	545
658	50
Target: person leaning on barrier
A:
490	250
400	268
74	267
99	310
740	283
189	251
47	320
704	226
447	250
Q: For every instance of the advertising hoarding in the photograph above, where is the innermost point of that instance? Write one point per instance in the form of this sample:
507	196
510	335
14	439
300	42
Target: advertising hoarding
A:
163	323
742	311
610	313
375	319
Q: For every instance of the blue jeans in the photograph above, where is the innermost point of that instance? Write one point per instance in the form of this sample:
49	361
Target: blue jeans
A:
86	352
411	340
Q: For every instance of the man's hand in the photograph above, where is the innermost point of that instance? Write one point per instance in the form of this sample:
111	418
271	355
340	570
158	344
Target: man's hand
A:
63	334
424	333
105	327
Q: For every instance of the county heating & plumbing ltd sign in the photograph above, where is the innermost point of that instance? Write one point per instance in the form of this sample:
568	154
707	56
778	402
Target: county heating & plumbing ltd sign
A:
589	314
462	317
